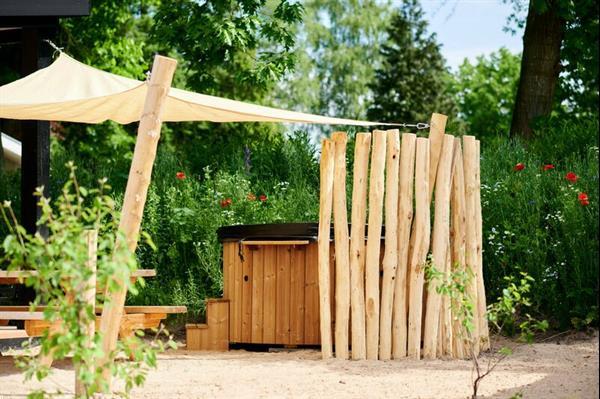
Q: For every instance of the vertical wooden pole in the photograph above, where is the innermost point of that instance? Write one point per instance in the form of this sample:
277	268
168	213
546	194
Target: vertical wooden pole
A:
357	244
390	257
135	197
457	235
376	188
405	216
325	205
418	257
481	300
469	162
436	139
342	256
89	297
439	246
445	336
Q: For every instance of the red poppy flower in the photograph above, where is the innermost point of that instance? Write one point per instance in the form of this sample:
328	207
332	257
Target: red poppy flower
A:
583	199
226	202
180	175
262	198
518	167
251	197
548	167
572	177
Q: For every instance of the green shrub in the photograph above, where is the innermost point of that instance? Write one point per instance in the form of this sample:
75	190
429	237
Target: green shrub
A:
534	222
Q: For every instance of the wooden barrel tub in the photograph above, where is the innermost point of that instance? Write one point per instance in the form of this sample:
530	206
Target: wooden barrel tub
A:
270	279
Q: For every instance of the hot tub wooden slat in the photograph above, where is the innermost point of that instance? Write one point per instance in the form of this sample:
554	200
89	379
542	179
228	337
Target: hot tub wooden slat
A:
311	297
269	294
282	319
247	281
257	294
237	297
297	295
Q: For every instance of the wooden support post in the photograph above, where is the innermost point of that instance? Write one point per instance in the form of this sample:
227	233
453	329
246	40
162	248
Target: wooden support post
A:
445	334
481	300
376	188
135	198
357	244
88	297
469	165
436	139
390	258
405	216
457	236
325	205
439	246
418	257
342	256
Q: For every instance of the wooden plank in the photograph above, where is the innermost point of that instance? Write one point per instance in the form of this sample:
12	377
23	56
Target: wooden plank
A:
12	334
445	335
457	238
282	318
325	208
436	139
258	279
88	297
439	247
311	296
297	304
269	294
342	256
228	268
235	328
247	282
376	193
481	300
128	309
357	244
405	216
21	315
217	317
390	258
471	260
275	242
418	257
135	198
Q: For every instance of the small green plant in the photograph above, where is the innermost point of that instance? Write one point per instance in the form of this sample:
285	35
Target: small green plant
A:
62	278
508	314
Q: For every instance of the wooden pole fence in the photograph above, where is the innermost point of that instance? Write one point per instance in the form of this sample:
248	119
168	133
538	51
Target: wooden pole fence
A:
395	312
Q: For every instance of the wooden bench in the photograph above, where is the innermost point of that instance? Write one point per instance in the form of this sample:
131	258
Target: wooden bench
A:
19	276
135	318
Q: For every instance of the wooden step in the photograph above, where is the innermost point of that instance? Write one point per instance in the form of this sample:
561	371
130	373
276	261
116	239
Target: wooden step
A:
214	334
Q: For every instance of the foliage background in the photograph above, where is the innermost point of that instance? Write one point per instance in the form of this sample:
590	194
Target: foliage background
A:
342	58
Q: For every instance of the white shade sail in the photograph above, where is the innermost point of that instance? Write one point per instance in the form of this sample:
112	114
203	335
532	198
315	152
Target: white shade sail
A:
71	91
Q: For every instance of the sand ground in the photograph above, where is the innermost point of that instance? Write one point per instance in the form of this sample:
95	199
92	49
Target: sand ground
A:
563	368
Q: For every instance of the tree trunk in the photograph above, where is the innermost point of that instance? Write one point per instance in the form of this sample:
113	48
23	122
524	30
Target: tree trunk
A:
540	66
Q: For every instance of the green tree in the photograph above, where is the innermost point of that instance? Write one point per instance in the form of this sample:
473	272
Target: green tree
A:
337	57
233	48
485	92
560	36
411	82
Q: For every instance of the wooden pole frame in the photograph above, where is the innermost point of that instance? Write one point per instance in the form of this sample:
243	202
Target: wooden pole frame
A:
342	256
134	200
376	194
357	244
325	208
390	257
405	217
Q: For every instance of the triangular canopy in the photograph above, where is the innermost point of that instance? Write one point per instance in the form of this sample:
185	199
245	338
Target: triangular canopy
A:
71	91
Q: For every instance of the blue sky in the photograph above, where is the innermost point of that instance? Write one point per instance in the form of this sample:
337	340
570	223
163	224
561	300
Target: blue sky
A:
468	28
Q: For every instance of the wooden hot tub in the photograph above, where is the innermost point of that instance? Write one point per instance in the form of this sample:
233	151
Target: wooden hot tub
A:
270	277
